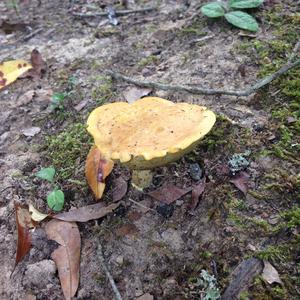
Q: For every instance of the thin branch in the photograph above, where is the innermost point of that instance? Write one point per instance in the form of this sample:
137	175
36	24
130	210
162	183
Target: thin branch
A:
31	34
294	52
107	273
142	205
203	91
118	12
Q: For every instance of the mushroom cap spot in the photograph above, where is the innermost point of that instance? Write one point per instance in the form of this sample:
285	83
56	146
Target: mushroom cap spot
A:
149	132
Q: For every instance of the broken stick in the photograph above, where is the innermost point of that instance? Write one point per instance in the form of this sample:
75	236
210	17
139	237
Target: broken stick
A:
204	91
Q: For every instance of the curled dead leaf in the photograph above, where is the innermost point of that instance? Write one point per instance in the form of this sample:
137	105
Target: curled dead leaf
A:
87	213
169	193
24	227
97	168
196	193
67	255
240	180
119	189
36	215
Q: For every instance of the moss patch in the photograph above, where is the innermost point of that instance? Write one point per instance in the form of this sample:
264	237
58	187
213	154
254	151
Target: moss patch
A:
68	150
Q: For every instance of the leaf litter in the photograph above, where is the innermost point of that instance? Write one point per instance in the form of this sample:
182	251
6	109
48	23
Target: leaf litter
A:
24	227
67	255
169	193
197	191
120	187
240	181
97	168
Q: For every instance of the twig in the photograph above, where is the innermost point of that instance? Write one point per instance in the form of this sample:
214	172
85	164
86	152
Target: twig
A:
107	273
202	91
31	34
141	205
118	12
294	52
203	39
6	188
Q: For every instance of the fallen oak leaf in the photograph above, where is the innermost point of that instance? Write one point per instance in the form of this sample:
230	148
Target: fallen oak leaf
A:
67	255
87	213
11	70
240	180
169	193
24	226
197	191
97	168
119	189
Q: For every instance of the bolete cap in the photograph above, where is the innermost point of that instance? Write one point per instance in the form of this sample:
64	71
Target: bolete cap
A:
149	132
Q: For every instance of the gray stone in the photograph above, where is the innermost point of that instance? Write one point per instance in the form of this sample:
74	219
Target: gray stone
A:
40	274
172	238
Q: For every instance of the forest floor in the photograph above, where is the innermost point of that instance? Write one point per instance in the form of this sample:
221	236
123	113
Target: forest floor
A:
160	252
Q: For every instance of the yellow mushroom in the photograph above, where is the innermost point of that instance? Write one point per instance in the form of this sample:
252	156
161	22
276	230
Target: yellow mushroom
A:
150	132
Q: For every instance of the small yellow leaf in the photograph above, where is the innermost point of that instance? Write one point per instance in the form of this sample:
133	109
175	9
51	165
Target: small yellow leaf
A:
11	70
97	168
35	214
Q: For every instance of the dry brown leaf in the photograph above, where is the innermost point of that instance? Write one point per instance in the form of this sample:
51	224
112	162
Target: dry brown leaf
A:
127	229
67	255
240	181
24	227
196	193
97	168
169	193
87	213
270	274
119	189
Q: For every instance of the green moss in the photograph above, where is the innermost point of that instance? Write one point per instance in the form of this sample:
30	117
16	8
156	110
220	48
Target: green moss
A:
292	217
238	221
244	295
68	149
274	253
102	90
219	136
149	60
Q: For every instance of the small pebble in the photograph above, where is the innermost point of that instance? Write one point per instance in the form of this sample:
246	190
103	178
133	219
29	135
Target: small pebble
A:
274	219
195	171
179	202
165	210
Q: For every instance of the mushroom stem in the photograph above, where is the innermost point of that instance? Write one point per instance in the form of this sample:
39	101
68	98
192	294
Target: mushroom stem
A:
141	179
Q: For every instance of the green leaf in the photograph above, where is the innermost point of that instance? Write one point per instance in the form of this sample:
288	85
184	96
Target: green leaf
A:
245	3
57	101
46	173
213	10
56	200
242	20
